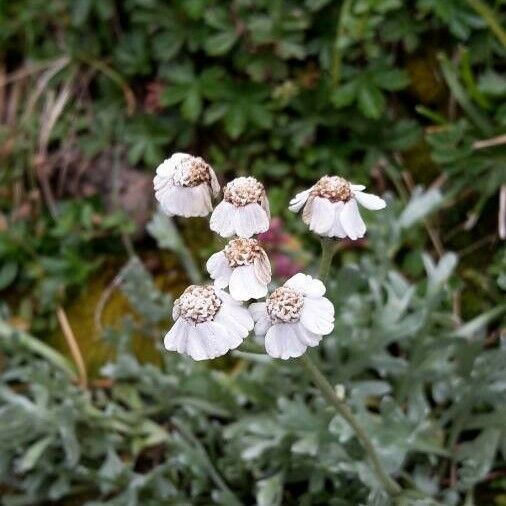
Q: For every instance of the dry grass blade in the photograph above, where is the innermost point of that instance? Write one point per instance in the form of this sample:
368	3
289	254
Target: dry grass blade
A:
32	68
52	111
488	143
43	82
71	340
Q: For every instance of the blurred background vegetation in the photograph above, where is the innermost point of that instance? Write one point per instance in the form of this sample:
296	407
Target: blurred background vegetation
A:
405	97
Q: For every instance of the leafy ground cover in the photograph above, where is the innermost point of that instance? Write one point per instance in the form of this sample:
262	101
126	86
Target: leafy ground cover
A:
406	97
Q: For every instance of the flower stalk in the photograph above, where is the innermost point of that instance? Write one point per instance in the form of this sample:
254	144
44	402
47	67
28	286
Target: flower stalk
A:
329	394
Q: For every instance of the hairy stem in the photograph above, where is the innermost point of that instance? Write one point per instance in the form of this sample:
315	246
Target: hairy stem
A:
329	247
329	394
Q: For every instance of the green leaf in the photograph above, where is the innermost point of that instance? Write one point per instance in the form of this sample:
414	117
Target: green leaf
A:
270	491
370	100
192	105
391	79
477	457
33	454
478	324
220	43
8	273
235	121
344	95
173	95
80	11
214	113
492	83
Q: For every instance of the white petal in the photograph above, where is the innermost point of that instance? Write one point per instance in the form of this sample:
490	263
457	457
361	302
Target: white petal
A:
226	298
337	230
351	220
244	285
215	185
166	168
163	186
237	320
201	196
317	315
257	310
370	201
262	326
185	201
210	340
265	205
218	268
299	200
250	219
222	219
306	285
175	310
322	216
307	337
262	321
357	187
262	266
281	341
161	182
195	348
177	337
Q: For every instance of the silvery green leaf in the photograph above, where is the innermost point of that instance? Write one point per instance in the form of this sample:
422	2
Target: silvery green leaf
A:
477	457
70	442
33	454
478	324
270	490
439	273
378	498
110	470
162	228
138	286
420	206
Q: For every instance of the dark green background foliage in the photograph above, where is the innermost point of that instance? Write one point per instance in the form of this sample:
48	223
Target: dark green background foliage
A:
406	97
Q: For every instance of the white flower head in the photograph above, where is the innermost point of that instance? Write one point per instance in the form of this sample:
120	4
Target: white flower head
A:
208	323
294	316
244	267
184	185
244	210
331	210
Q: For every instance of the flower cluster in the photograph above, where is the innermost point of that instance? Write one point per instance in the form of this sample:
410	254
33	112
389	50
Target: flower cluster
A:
209	322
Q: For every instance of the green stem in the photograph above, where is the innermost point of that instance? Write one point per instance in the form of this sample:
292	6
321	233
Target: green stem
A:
490	17
329	394
329	247
37	347
391	486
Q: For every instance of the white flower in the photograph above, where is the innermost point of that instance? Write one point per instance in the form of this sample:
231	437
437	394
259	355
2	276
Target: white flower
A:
244	210
184	184
293	317
208	323
244	267
330	207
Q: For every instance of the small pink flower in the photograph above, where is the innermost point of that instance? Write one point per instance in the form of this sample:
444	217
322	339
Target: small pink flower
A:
285	266
275	235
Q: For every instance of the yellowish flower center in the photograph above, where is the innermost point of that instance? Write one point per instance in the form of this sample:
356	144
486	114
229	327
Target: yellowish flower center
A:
333	188
199	304
242	252
192	171
284	305
242	191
